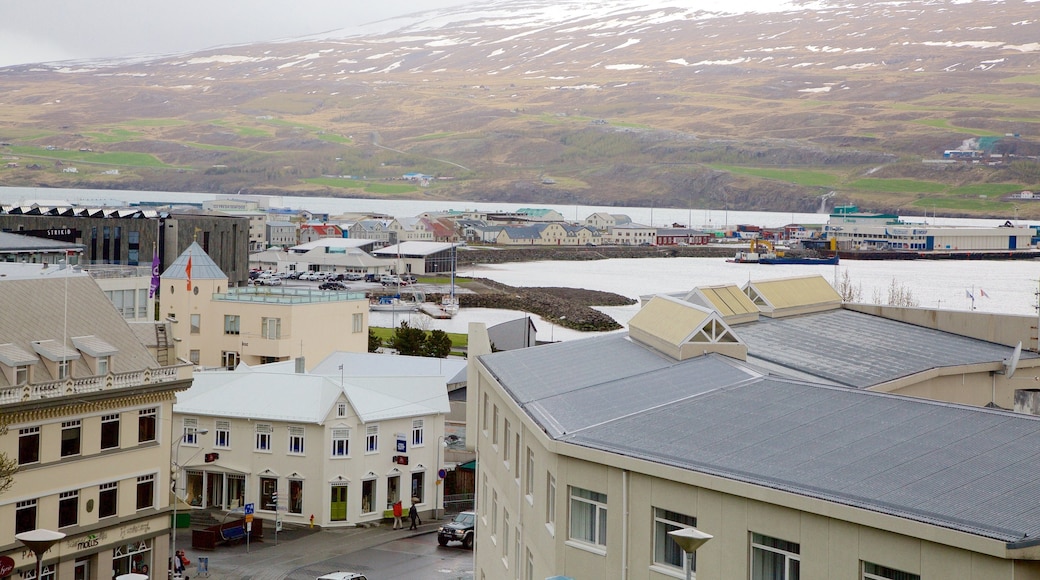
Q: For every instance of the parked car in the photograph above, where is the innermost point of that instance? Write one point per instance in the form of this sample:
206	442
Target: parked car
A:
390	280
269	281
371	277
353	277
458	530
294	275
309	276
332	285
408	278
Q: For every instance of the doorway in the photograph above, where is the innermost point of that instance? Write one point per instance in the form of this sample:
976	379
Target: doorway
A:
338	504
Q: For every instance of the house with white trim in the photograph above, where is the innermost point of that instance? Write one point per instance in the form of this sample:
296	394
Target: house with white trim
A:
338	446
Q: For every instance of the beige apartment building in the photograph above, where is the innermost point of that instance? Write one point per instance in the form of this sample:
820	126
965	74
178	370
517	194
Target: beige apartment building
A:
766	431
335	445
88	416
218	327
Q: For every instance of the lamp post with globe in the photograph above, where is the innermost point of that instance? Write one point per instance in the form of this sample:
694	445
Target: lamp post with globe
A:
689	539
39	541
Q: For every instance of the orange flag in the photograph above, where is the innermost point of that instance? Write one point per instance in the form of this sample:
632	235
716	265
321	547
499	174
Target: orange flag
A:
188	270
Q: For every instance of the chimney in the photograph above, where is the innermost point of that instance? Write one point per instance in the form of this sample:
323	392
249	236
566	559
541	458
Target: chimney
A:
301	368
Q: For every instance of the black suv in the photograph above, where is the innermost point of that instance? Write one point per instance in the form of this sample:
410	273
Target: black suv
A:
458	530
333	286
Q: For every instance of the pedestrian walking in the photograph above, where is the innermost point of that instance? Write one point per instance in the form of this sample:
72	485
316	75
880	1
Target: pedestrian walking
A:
398	510
413	513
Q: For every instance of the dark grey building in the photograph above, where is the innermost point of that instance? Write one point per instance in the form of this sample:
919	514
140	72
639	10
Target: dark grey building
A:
128	236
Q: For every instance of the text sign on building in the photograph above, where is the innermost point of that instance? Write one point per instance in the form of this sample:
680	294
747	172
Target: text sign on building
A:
402	445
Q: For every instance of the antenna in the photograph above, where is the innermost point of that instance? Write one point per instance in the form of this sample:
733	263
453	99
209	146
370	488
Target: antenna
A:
1012	364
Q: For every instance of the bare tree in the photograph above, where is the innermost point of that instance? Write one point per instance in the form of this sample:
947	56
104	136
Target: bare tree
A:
900	295
849	292
8	465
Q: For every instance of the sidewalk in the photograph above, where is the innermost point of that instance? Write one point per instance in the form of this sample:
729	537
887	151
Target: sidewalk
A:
296	547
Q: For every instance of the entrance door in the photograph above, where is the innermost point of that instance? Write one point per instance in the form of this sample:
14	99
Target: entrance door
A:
338	504
82	570
215	490
393	490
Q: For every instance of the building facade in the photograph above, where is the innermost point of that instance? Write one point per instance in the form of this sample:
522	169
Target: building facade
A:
88	416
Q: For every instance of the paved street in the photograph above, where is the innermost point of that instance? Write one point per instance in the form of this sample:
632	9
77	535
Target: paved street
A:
304	554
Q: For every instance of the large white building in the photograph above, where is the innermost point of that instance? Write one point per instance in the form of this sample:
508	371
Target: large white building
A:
779	424
334	444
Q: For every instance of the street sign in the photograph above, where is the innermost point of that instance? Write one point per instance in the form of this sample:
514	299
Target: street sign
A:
249	508
441	474
249	518
402	446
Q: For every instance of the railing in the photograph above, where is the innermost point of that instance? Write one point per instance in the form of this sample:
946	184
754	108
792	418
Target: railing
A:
83	385
458	502
286	295
116	270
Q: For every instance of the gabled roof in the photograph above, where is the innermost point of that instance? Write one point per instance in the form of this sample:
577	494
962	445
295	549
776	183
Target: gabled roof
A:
681	329
367	364
728	300
202	266
784	296
413	249
274	393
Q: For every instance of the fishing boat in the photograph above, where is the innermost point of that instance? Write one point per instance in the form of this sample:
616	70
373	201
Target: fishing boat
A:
395	303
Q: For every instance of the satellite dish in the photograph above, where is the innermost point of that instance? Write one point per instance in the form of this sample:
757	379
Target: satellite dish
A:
1012	364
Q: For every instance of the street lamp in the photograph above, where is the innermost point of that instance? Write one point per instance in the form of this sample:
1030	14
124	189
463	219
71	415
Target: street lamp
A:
39	541
175	469
440	482
689	539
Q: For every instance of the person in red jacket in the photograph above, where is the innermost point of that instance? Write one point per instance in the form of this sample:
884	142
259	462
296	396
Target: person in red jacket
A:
398	512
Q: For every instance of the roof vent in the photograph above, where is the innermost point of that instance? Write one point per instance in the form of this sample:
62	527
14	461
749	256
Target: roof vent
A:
301	368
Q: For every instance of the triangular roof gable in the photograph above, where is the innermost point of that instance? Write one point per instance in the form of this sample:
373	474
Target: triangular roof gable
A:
728	300
799	295
202	266
681	329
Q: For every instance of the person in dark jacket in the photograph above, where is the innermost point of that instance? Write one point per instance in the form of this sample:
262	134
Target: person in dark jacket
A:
413	512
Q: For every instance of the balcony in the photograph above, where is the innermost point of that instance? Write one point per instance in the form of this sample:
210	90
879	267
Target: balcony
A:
286	295
79	386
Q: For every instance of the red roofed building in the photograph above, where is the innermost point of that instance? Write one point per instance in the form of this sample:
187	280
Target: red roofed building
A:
311	232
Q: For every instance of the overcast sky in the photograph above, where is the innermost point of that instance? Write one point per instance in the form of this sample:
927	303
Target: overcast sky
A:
51	30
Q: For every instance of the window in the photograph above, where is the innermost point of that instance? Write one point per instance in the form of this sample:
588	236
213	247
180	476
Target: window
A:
70	433
357	323
63	369
341	442
268	493
68	508
21	375
296	440
108	499
505	537
295	496
484	499
494	427
484	415
196	323
368	496
516	553
341	409
417	432
419	485
530	566
146	425
505	440
28	445
550	502
231	324
773	559
529	485
666	551
191	431
263	436
588	516
193	356
102	365
25	516
494	513
271	327
145	491
516	456
372	439
875	572
222	434
109	431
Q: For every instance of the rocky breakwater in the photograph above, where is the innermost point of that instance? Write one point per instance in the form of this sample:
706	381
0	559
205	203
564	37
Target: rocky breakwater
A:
567	307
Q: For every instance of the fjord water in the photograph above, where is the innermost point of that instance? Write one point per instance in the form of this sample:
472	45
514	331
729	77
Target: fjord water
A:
998	286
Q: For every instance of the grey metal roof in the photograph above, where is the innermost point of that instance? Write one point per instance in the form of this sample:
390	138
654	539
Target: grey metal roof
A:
11	243
94	346
833	345
964	468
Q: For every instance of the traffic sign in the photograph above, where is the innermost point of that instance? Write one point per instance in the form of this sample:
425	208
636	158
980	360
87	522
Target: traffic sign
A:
441	473
249	518
249	508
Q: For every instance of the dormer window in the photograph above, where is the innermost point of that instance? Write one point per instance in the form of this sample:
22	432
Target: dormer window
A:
63	369
15	363
57	358
96	352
